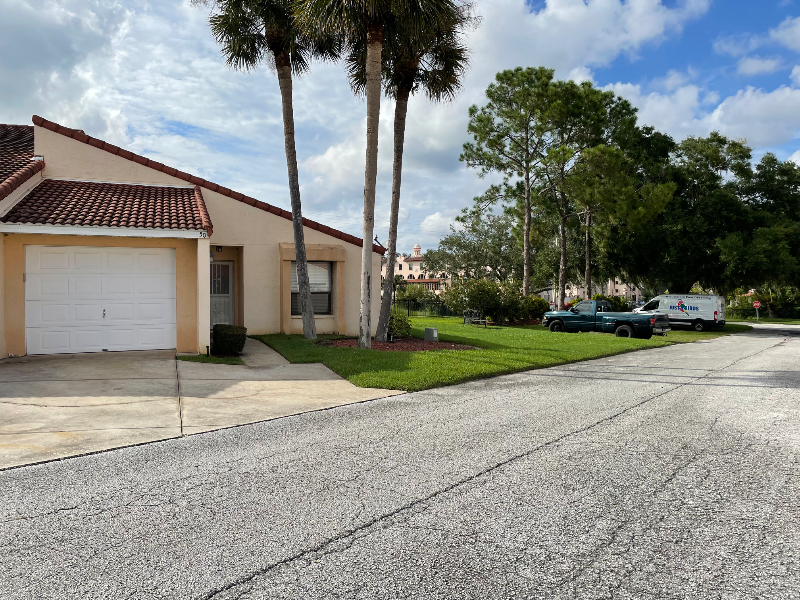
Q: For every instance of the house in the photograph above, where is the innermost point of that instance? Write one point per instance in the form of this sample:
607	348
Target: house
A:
103	249
412	269
613	287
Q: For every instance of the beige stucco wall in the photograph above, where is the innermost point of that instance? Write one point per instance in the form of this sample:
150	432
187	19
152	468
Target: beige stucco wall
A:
186	300
257	232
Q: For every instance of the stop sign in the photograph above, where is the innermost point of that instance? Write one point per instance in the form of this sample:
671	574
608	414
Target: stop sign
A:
756	304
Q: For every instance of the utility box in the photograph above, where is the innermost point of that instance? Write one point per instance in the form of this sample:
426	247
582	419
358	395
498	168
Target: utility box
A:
431	334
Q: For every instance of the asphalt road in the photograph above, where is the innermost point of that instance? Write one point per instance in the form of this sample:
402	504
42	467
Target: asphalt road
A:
668	473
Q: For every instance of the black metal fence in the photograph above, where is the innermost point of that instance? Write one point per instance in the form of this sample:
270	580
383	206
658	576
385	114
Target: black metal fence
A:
423	308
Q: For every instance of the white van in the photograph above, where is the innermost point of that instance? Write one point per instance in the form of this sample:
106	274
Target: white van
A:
693	310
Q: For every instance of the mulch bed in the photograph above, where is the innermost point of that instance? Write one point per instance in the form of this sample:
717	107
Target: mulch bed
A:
400	345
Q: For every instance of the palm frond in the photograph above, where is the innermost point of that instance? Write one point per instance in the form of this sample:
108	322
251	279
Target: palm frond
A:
434	61
254	32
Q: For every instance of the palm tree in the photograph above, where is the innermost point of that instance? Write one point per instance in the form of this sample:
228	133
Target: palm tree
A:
369	21
434	63
252	32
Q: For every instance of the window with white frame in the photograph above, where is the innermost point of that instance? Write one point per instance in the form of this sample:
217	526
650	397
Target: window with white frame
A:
321	283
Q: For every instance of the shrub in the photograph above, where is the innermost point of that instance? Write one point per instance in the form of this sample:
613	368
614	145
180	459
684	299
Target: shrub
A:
780	303
534	307
475	294
229	339
415	291
399	325
618	303
500	302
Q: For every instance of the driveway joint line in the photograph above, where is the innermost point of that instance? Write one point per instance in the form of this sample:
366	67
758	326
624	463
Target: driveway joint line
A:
180	404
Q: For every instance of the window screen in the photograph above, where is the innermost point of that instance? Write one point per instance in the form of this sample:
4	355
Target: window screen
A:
319	278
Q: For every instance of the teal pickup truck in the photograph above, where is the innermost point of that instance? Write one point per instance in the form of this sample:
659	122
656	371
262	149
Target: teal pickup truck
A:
594	315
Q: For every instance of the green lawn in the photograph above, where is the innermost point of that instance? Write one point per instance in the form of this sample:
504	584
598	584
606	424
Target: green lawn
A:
501	350
216	360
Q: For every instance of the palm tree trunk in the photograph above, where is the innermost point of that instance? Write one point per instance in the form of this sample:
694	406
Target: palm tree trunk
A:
373	88
284	67
588	273
526	240
400	112
562	268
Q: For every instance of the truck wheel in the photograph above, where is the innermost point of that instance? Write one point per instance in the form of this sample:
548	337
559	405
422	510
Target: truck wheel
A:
699	325
557	327
624	331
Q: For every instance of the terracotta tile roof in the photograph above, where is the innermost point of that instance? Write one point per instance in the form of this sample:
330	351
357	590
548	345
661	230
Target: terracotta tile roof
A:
86	139
16	154
89	203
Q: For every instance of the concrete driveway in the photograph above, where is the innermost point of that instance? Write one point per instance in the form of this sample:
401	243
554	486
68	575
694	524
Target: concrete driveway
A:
66	405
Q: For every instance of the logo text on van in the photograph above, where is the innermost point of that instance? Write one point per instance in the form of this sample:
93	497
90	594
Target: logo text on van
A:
684	308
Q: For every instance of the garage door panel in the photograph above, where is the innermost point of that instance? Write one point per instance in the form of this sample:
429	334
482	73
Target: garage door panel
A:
156	337
160	286
121	338
85	286
49	259
48	342
88	260
158	311
87	313
49	287
82	299
151	262
119	286
120	311
54	314
121	261
50	314
88	339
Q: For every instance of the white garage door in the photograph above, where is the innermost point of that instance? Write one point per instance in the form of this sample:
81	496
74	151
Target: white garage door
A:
88	299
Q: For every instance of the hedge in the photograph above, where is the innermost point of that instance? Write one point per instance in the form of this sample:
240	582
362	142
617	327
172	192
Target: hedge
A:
229	339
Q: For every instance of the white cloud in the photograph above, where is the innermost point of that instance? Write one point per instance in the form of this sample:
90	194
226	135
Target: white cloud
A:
755	65
796	158
796	75
581	74
738	45
436	224
673	80
764	119
788	33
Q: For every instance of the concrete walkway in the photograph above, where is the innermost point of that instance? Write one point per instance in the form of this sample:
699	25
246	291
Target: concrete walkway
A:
268	386
65	405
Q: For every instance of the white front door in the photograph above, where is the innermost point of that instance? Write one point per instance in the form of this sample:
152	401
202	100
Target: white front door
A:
221	293
90	299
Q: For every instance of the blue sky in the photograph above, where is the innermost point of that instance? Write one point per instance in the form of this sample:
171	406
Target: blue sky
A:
146	75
